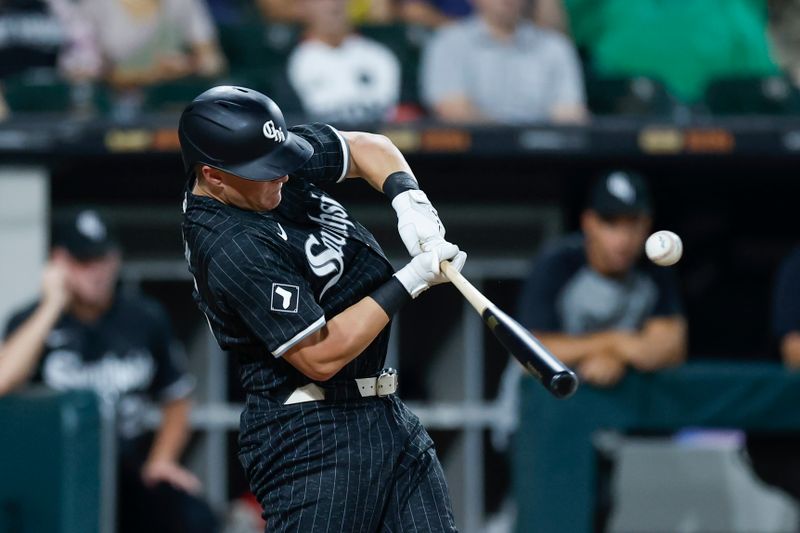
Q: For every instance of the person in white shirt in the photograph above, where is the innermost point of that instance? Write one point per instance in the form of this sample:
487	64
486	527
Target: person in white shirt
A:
339	75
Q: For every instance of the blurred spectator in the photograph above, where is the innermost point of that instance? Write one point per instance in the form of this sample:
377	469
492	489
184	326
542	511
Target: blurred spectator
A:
358	11
31	37
497	67
774	457
784	32
338	75
593	302
147	41
83	334
683	44
435	13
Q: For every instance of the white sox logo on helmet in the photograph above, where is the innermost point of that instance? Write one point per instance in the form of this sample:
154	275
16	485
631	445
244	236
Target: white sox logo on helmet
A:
273	133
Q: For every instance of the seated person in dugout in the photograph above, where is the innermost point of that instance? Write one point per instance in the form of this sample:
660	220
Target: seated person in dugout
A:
84	334
593	301
599	307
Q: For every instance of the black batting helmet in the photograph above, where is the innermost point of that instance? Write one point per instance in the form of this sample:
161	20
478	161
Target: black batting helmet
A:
240	131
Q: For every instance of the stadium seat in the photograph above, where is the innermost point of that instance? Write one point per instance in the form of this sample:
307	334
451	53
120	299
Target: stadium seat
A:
774	95
627	96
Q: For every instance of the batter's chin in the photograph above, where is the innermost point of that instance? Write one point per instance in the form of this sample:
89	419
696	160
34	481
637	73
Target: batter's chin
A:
274	203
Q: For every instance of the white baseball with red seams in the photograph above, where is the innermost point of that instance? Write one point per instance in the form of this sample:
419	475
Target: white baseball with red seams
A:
664	248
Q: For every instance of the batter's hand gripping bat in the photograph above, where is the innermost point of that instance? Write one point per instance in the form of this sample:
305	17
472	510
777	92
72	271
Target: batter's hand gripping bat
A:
554	375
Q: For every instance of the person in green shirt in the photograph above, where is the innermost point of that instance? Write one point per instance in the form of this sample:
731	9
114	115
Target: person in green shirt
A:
683	44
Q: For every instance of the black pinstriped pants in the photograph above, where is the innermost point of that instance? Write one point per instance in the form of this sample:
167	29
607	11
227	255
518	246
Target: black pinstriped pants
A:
357	465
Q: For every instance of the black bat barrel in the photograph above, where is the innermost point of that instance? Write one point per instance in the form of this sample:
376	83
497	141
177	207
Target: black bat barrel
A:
553	374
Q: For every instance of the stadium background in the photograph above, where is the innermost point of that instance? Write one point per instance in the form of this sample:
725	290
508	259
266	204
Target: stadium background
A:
723	173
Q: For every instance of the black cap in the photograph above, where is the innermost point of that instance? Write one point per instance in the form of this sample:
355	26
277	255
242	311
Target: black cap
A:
620	193
84	234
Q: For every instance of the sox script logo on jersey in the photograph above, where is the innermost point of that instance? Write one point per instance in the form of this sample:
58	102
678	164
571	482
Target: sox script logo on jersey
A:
335	230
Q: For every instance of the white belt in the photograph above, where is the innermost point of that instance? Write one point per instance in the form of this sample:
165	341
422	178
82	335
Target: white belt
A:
383	384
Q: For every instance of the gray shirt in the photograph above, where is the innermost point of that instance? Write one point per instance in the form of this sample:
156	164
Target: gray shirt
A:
518	80
564	294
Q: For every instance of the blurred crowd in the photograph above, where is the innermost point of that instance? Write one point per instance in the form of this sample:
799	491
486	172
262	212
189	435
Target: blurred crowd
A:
374	61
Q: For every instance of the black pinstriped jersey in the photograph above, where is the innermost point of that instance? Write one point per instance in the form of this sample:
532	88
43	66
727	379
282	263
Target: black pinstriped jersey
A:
266	280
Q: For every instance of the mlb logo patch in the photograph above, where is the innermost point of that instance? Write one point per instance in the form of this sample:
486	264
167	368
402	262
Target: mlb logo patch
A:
285	298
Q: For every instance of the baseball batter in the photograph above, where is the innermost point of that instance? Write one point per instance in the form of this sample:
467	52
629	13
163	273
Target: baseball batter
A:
303	295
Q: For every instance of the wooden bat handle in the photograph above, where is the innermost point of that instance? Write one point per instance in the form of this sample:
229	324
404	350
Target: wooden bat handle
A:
521	343
473	295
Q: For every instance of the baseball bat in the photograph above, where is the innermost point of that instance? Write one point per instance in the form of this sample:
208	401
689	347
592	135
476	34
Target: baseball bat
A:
559	380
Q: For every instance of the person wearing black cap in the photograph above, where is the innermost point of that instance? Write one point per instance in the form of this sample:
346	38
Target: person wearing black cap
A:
303	295
83	334
593	301
598	306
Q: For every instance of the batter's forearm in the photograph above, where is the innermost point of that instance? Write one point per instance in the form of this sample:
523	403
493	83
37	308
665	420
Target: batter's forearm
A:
373	158
173	433
321	355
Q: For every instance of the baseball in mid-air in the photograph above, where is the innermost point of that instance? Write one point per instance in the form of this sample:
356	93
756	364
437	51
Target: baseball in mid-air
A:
664	248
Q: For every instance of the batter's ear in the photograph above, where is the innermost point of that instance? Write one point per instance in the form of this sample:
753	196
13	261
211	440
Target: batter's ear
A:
210	175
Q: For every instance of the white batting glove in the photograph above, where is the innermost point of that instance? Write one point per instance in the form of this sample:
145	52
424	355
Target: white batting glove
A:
423	271
418	223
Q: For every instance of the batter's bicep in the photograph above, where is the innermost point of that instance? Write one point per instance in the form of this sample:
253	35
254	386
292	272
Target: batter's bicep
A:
373	157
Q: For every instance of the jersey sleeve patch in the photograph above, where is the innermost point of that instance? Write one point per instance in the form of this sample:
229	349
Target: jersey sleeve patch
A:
285	298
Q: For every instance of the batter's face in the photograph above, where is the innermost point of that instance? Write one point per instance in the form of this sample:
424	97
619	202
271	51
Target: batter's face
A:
254	195
245	194
613	245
